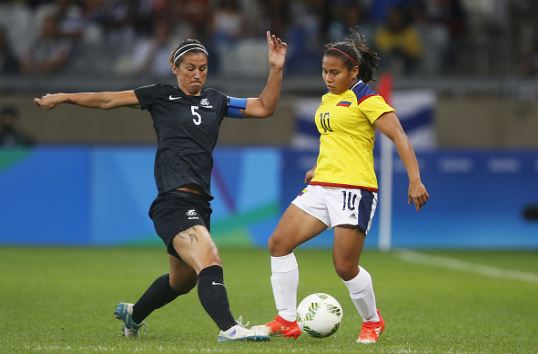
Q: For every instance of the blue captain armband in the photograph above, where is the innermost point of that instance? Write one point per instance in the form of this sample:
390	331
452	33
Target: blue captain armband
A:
235	105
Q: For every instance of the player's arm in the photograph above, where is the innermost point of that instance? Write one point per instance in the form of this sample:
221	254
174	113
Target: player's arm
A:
310	174
102	100
389	125
264	106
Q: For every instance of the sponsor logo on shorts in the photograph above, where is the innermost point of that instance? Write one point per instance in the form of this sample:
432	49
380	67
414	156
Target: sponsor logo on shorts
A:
302	192
353	216
192	214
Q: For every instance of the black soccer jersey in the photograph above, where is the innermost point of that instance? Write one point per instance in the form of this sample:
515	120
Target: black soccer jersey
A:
187	130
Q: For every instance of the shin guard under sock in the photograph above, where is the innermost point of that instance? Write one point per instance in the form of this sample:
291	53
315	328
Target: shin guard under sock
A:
213	296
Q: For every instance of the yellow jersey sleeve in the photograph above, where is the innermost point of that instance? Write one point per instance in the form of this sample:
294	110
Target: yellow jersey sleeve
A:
373	107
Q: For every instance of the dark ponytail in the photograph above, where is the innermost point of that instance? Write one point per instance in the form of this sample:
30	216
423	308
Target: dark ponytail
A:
354	51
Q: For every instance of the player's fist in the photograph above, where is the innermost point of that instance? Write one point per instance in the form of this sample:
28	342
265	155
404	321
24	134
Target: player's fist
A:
49	101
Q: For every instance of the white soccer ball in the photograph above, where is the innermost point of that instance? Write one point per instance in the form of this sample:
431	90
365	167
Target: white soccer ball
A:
319	315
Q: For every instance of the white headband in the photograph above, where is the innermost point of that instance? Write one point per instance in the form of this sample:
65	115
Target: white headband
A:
192	46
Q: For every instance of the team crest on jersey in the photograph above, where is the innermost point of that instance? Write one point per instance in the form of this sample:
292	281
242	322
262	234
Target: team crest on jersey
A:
204	102
344	103
192	214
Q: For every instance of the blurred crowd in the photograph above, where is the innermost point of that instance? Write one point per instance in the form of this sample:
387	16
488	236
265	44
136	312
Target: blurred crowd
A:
11	136
134	38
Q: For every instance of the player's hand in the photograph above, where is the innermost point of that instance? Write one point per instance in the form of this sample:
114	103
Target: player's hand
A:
49	101
277	51
308	176
417	194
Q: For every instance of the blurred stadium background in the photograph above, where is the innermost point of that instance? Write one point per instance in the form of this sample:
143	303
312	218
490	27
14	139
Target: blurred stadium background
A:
464	84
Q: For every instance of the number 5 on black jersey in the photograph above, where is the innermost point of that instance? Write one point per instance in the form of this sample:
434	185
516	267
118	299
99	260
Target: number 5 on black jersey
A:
194	111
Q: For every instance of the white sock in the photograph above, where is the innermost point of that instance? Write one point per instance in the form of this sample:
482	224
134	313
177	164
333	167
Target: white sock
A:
362	295
285	280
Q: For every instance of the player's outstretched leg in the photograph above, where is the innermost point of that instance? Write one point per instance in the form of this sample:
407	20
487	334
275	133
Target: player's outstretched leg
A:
295	227
284	281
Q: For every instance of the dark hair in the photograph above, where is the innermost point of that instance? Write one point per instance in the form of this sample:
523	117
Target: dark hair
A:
354	51
194	45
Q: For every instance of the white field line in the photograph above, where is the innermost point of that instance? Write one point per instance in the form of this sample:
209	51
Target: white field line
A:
451	263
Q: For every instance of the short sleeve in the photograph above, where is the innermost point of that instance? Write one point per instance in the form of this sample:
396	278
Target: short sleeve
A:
146	95
374	107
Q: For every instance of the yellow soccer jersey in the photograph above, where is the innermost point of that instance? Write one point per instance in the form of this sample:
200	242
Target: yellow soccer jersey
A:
346	126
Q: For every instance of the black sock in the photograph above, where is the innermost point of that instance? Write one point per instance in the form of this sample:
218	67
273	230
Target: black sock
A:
156	296
213	297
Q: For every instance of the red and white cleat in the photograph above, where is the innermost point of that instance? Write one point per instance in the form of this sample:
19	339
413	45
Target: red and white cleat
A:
371	330
280	327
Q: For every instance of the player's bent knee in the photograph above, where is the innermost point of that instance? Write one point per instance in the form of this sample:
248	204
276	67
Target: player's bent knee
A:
346	270
184	285
277	246
187	286
213	256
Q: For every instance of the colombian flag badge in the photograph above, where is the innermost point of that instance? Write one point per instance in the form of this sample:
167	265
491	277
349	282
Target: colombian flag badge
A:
344	103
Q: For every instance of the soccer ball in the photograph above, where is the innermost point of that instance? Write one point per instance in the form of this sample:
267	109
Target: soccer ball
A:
319	315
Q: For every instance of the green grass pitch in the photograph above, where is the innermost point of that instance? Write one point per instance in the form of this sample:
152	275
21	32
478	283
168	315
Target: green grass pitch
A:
61	300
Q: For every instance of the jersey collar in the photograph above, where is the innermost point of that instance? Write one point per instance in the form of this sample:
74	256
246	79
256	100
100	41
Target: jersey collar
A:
202	92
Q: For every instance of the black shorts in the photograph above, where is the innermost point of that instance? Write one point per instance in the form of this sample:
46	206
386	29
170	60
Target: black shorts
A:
175	211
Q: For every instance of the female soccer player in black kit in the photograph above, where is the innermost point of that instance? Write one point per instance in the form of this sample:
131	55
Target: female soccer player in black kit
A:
186	118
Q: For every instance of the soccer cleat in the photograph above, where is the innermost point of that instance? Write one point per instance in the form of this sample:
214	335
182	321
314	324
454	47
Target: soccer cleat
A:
130	327
371	330
240	333
281	327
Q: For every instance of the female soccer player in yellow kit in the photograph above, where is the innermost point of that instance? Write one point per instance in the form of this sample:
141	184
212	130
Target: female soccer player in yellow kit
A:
342	187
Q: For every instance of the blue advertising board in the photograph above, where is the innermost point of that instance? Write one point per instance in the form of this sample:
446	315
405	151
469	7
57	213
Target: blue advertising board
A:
100	196
478	199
